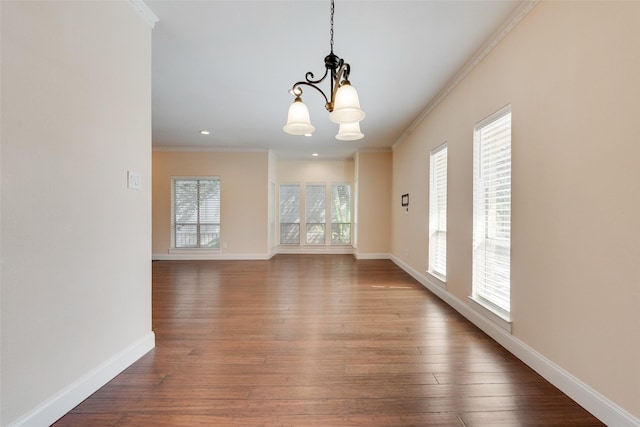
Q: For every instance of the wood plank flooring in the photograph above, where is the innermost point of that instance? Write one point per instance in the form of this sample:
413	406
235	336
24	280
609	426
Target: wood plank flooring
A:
321	340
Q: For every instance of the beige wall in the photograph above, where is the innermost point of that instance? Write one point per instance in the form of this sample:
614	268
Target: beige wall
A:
315	171
76	277
244	198
374	176
570	71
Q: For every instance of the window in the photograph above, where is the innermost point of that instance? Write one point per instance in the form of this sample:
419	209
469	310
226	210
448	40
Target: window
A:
195	212
289	214
492	212
315	213
340	214
315	223
438	212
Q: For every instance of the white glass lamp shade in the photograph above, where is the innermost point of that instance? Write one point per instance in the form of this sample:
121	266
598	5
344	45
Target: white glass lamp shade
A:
298	122
349	132
346	106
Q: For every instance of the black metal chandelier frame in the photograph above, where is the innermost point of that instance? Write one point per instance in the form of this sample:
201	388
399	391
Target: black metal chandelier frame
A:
335	67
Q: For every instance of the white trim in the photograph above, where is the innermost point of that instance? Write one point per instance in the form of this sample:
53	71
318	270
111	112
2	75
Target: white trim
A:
282	249
598	405
493	41
506	110
437	279
315	249
374	150
69	397
145	13
196	251
371	255
211	256
491	312
196	255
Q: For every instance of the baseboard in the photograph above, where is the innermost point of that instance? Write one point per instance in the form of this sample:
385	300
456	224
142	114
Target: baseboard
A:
598	405
68	398
315	250
209	257
196	255
359	255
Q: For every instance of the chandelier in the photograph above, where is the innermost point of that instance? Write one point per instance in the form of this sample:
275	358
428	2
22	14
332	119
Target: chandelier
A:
343	104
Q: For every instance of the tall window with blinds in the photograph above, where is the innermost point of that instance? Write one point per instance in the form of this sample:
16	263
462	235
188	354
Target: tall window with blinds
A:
315	195
340	214
289	214
492	212
195	212
438	212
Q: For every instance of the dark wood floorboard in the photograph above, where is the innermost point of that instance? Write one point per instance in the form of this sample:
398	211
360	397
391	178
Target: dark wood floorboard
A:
317	341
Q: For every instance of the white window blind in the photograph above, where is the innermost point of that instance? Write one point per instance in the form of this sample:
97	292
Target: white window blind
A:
492	211
289	214
340	214
438	212
195	212
315	195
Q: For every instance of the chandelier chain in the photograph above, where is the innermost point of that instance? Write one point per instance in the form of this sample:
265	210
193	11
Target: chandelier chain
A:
331	32
342	103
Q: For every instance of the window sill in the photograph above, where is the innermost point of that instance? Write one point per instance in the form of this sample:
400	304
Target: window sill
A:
440	280
498	317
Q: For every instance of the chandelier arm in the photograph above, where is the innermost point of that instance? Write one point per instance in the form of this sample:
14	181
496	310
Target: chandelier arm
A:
309	77
341	75
298	91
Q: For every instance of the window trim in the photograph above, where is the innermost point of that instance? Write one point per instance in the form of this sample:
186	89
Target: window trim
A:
491	309
175	250
432	156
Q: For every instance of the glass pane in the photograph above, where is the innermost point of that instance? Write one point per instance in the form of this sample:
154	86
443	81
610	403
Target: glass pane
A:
314	204
289	203
186	201
186	236
340	234
289	233
341	203
210	236
315	234
210	201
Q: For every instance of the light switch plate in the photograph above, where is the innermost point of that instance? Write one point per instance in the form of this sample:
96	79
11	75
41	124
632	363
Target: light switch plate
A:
134	180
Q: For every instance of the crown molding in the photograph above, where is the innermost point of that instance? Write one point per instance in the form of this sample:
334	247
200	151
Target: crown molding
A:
212	149
144	12
374	150
493	41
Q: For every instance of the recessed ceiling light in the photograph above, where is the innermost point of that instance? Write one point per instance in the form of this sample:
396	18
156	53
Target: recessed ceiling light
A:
307	134
204	132
315	154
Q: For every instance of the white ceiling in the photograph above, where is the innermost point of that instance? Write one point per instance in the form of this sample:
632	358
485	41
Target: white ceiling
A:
227	67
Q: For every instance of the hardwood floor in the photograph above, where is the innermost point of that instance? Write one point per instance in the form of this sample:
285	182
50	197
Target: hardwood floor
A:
317	341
